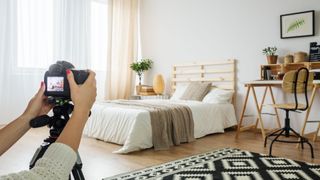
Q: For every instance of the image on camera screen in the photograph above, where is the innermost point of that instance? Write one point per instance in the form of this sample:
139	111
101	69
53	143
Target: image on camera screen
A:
55	84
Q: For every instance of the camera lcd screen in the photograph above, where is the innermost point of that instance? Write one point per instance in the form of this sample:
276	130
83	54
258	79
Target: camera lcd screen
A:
55	84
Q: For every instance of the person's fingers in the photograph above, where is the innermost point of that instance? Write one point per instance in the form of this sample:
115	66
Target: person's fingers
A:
41	90
71	80
91	77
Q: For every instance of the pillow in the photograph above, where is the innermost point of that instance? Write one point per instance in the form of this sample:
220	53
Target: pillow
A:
180	89
218	96
196	91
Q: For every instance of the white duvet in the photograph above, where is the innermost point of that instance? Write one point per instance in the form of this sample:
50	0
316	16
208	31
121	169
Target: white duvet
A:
132	127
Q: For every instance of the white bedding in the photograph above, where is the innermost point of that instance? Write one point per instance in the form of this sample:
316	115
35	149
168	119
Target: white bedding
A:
132	127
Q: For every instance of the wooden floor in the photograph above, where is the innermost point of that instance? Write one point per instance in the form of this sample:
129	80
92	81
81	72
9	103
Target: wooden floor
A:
99	161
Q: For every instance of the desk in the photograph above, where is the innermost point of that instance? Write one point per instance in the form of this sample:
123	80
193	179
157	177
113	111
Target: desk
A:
316	85
258	107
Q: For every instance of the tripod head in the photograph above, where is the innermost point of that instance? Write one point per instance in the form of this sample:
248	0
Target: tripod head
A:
61	111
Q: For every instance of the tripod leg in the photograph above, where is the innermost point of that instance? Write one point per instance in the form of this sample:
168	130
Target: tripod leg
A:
38	154
76	170
77	174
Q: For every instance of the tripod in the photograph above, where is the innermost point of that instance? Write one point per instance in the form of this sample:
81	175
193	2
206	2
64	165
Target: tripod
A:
56	123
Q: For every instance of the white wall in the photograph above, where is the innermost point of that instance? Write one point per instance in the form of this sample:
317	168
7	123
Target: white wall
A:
180	31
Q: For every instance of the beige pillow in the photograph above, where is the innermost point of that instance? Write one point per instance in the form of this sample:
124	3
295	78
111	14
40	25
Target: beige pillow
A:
196	91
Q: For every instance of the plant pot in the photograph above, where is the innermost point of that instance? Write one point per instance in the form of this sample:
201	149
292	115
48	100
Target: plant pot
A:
272	59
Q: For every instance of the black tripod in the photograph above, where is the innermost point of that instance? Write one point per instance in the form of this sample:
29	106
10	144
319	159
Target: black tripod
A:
56	123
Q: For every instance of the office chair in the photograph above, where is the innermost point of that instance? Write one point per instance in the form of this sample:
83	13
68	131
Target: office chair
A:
294	82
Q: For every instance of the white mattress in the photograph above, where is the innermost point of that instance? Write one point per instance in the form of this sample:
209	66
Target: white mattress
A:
132	127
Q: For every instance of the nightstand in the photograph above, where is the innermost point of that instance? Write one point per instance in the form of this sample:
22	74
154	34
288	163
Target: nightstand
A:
140	97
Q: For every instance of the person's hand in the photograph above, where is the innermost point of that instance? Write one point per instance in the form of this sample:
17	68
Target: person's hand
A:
83	96
38	105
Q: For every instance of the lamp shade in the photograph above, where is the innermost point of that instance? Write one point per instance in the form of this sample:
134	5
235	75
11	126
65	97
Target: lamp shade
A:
158	84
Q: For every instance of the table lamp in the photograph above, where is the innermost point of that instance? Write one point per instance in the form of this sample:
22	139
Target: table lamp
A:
158	84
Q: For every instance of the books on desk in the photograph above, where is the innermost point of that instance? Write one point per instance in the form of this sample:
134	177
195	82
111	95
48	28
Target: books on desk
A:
146	91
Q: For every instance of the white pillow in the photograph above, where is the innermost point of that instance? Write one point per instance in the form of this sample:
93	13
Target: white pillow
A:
218	96
178	93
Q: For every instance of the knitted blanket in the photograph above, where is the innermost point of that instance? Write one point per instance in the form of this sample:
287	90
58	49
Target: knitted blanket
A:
172	124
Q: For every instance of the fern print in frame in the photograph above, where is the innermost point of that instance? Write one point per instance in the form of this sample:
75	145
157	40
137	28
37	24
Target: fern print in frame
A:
300	24
295	25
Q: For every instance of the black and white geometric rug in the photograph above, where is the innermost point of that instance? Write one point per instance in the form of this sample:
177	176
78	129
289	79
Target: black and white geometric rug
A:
228	164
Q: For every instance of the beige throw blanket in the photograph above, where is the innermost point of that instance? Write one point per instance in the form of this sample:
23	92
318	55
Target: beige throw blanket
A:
172	124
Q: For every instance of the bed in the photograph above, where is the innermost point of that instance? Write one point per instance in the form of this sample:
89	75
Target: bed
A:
132	127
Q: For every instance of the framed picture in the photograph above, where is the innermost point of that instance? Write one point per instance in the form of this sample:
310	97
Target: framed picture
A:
300	24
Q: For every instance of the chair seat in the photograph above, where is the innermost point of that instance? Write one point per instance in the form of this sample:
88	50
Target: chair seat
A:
288	106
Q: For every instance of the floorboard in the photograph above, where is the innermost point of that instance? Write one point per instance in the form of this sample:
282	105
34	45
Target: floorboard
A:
99	161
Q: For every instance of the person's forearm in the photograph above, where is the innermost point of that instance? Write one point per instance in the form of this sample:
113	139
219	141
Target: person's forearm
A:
72	132
11	133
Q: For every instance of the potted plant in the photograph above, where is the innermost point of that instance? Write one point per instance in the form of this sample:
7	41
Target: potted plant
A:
139	67
270	52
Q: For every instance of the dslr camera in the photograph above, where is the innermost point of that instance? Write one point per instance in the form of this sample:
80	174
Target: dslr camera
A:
55	79
58	92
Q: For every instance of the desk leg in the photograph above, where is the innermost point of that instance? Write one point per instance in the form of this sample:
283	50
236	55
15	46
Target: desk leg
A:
275	109
258	112
243	110
307	114
312	98
316	133
308	110
261	105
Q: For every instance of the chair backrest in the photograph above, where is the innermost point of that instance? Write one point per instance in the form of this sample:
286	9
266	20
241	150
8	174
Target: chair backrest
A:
299	81
293	78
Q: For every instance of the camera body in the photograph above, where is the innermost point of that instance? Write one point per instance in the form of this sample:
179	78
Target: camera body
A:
55	79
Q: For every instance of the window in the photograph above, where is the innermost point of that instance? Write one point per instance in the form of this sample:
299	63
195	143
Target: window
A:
99	34
35	33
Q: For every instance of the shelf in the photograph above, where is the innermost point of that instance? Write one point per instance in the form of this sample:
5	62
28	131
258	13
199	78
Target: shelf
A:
283	68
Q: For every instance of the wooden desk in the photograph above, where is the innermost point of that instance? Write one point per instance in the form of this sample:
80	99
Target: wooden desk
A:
313	94
258	107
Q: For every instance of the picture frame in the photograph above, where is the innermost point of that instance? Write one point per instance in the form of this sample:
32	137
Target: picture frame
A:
294	25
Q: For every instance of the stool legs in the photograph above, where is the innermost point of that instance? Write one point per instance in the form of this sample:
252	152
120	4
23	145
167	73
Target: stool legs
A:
285	131
272	134
303	140
275	139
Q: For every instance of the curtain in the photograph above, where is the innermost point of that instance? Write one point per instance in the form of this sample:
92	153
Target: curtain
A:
123	48
35	34
72	29
7	55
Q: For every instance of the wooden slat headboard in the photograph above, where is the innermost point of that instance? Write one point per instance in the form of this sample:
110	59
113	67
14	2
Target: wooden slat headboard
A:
222	74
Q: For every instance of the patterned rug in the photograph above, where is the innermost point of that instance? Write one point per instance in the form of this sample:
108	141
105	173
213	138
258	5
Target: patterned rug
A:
230	164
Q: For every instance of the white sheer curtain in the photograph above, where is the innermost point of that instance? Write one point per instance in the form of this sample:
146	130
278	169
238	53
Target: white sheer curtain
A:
123	48
36	33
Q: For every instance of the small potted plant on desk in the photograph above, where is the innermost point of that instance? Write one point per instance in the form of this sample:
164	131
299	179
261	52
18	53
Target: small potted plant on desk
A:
139	67
270	52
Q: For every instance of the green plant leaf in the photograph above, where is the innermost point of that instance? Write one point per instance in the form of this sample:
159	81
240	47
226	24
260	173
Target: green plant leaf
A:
295	25
140	66
269	51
